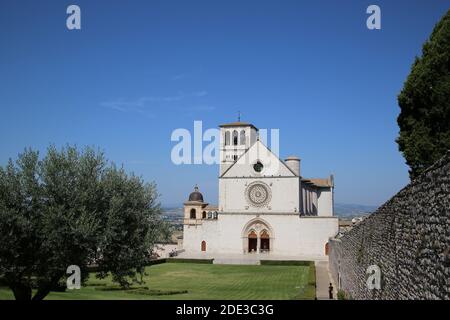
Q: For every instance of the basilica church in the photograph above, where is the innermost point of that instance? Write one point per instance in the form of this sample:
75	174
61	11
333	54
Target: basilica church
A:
265	207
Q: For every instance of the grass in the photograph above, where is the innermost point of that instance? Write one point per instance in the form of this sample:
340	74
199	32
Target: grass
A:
186	281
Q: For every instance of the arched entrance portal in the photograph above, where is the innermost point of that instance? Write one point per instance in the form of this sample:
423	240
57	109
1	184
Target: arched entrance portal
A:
252	241
257	237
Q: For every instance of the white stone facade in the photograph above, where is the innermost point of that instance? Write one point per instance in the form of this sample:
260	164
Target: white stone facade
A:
265	206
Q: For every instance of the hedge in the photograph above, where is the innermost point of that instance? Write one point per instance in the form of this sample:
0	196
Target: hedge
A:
181	260
156	261
287	263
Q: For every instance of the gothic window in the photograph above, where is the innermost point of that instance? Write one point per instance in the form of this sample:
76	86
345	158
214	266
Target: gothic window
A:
203	245
192	213
242	137
235	157
204	215
227	138
235	138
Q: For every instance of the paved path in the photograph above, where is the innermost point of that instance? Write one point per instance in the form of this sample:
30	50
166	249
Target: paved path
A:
323	279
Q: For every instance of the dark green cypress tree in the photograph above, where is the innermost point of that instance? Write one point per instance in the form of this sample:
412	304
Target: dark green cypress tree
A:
424	119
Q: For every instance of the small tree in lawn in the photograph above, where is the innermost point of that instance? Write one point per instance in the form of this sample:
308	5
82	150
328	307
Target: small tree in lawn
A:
72	208
424	119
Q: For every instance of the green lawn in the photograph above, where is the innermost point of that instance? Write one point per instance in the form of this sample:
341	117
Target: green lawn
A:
202	281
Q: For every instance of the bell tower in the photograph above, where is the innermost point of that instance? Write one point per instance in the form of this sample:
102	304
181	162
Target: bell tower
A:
235	139
193	208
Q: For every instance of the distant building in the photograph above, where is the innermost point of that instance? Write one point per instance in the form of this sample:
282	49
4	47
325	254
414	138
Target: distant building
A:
345	225
265	205
357	220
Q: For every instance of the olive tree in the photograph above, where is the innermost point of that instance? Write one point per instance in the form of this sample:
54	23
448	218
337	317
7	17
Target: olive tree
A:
73	208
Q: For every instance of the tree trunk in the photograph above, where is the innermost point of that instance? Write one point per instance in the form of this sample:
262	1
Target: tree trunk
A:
21	291
41	293
45	288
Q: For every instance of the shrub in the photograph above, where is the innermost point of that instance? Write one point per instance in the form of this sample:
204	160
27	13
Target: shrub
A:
342	295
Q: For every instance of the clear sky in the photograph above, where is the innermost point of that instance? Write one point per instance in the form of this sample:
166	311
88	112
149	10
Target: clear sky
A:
137	70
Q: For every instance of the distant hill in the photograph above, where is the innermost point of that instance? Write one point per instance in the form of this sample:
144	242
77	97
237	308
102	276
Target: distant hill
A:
351	210
172	211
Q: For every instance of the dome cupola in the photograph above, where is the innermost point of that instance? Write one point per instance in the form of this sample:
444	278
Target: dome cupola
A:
196	195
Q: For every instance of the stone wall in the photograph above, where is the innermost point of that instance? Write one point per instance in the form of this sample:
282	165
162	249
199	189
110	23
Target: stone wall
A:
408	238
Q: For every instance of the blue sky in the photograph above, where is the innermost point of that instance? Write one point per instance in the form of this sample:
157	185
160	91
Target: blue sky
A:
137	70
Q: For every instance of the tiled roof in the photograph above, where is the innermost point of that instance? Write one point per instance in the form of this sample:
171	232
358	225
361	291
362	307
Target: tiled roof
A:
321	183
